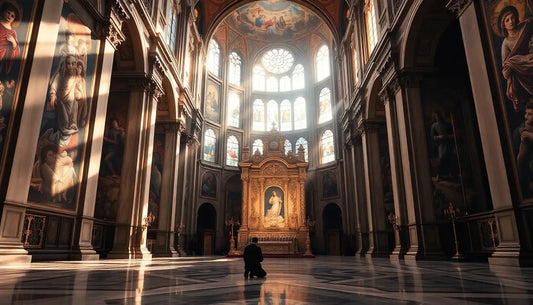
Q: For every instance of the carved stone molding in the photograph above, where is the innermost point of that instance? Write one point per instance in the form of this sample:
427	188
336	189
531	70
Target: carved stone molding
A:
457	7
170	127
370	126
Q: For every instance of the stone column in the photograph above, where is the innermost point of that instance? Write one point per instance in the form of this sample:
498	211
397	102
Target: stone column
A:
83	249
508	218
164	245
130	231
360	199
181	193
399	218
379	239
242	237
423	231
19	176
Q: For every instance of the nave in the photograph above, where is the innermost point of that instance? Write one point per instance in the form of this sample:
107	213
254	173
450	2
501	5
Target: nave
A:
219	280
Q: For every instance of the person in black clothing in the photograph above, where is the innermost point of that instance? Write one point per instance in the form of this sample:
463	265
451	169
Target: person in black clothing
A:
252	260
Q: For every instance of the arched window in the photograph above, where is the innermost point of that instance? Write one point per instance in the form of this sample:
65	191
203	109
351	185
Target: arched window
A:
300	117
213	57
322	63
258	115
371	25
259	79
272	115
210	145
173	30
327	150
355	66
257	145
234	104
288	146
298	78
303	143
272	84
285	84
234	69
232	151
324	104
286	117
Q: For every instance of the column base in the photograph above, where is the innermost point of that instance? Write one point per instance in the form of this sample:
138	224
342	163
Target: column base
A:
165	253
85	255
15	260
510	257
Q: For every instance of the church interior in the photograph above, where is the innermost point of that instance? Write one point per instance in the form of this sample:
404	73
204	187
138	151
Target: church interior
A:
368	144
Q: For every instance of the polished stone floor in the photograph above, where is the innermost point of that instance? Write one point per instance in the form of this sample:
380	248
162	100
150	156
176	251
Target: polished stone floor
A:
219	280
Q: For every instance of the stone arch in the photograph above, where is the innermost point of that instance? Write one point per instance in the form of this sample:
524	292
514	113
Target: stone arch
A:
332	223
206	223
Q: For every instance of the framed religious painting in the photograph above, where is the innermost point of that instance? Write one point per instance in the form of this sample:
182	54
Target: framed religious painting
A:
212	101
330	187
60	154
209	185
510	30
16	29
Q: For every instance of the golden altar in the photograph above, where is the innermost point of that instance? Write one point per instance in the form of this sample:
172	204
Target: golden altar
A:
273	199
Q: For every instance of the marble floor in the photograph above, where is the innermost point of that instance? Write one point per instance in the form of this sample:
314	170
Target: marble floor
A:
219	280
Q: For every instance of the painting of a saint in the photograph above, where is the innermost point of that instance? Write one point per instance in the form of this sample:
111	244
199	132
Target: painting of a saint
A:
15	29
329	184
212	102
511	23
274	202
209	185
64	121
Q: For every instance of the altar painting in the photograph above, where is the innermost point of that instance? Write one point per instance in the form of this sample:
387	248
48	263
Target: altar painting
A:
274	203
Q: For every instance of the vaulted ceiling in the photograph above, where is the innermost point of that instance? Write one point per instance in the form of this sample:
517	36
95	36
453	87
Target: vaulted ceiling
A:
297	16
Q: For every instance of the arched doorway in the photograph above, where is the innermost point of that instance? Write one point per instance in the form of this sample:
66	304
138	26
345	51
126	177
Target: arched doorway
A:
206	228
332	220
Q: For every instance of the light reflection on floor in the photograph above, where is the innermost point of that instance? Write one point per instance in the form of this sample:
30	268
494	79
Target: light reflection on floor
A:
219	280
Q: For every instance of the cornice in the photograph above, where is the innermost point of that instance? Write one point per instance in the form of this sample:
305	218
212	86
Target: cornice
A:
457	7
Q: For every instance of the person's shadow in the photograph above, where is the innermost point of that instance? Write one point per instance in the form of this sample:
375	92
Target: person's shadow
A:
252	291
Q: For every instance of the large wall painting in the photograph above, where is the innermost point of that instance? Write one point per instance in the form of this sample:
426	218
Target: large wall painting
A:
156	177
274	206
16	19
273	20
60	150
511	28
212	102
108	192
209	185
330	186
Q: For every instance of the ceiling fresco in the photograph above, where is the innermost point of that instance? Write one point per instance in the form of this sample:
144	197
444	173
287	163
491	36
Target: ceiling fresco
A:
273	20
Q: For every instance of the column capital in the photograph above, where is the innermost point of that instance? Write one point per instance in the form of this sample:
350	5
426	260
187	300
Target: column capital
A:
370	126
457	7
111	27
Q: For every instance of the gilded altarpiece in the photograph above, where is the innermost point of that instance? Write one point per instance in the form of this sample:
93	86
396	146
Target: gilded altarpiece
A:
273	207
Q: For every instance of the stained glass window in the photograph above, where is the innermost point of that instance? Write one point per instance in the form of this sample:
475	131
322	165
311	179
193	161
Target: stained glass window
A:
298	77
303	143
272	115
272	84
327	149
288	146
322	63
257	145
232	151
259	79
324	104
371	25
213	57
210	145
286	117
277	61
285	84
173	31
234	69
300	117
233	109
258	115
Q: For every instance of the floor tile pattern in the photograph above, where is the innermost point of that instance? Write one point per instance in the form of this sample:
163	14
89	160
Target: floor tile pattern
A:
219	280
